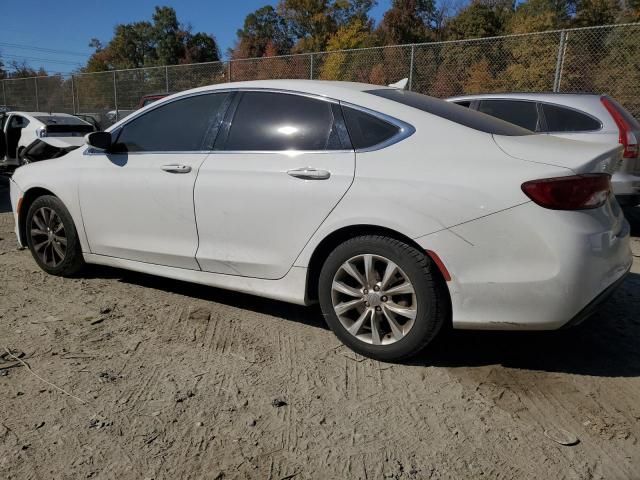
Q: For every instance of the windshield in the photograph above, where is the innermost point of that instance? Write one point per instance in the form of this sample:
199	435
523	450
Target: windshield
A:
452	112
60	120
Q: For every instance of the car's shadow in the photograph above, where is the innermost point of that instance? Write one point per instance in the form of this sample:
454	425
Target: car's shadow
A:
605	345
308	315
633	215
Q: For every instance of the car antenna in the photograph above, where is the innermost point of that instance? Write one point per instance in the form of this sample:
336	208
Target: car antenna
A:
402	84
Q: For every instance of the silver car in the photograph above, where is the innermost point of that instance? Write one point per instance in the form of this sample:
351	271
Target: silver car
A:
587	117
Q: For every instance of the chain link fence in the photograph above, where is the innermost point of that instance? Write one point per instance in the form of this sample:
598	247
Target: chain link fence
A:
598	59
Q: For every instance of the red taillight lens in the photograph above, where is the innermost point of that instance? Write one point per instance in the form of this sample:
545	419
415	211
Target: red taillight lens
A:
578	192
627	137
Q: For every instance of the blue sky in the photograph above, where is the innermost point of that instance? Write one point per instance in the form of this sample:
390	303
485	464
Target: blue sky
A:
70	24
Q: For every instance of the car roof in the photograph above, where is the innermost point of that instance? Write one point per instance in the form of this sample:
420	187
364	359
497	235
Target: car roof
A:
318	87
542	96
585	102
40	114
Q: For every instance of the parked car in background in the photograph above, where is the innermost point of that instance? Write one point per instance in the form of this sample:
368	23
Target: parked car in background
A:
116	115
89	119
19	130
253	187
577	116
47	148
152	97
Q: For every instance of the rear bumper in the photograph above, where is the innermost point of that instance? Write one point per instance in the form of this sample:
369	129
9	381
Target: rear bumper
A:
529	268
593	307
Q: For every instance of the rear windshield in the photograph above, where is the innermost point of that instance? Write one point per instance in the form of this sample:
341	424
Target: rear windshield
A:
59	120
451	111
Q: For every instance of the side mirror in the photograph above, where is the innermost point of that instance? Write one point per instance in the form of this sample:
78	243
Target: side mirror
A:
99	140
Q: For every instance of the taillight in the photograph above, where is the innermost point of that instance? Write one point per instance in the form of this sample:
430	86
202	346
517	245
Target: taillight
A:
576	192
627	138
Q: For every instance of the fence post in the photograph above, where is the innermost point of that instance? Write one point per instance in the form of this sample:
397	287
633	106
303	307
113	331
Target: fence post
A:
166	79
4	93
413	52
115	95
560	61
229	70
311	67
73	96
35	82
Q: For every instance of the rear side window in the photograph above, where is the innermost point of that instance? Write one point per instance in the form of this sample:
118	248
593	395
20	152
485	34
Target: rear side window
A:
521	113
269	121
561	119
451	111
367	130
179	126
464	103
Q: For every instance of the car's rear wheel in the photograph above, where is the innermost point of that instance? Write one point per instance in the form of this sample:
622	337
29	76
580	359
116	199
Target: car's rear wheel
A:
381	297
52	237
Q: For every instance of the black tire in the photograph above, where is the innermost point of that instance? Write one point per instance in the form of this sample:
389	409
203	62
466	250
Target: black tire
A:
431	301
65	265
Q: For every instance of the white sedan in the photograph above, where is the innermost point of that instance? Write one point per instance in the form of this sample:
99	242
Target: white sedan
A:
20	131
396	211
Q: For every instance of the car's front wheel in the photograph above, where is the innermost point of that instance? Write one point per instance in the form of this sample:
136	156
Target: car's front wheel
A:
52	237
381	297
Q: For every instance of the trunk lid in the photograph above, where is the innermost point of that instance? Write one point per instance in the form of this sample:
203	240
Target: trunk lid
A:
579	157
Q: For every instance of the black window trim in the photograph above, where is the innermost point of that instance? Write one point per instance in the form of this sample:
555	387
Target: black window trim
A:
227	123
576	110
405	130
542	120
117	130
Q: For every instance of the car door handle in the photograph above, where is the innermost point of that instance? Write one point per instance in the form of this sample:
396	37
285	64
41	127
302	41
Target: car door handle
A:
176	168
309	173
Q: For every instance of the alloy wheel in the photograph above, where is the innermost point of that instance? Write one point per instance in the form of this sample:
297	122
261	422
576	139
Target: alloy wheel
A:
48	236
374	299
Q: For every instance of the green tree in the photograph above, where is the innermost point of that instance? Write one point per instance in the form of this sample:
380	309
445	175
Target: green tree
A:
478	20
313	22
341	65
597	12
163	41
408	21
262	28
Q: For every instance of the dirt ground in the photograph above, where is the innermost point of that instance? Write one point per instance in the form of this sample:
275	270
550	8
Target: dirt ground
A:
166	380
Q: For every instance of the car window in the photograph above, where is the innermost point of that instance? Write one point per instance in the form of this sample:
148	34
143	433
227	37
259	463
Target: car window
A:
271	121
519	112
450	111
178	126
561	119
17	121
367	130
464	103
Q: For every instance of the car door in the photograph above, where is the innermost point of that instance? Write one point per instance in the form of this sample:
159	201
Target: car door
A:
14	132
523	113
281	165
137	200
